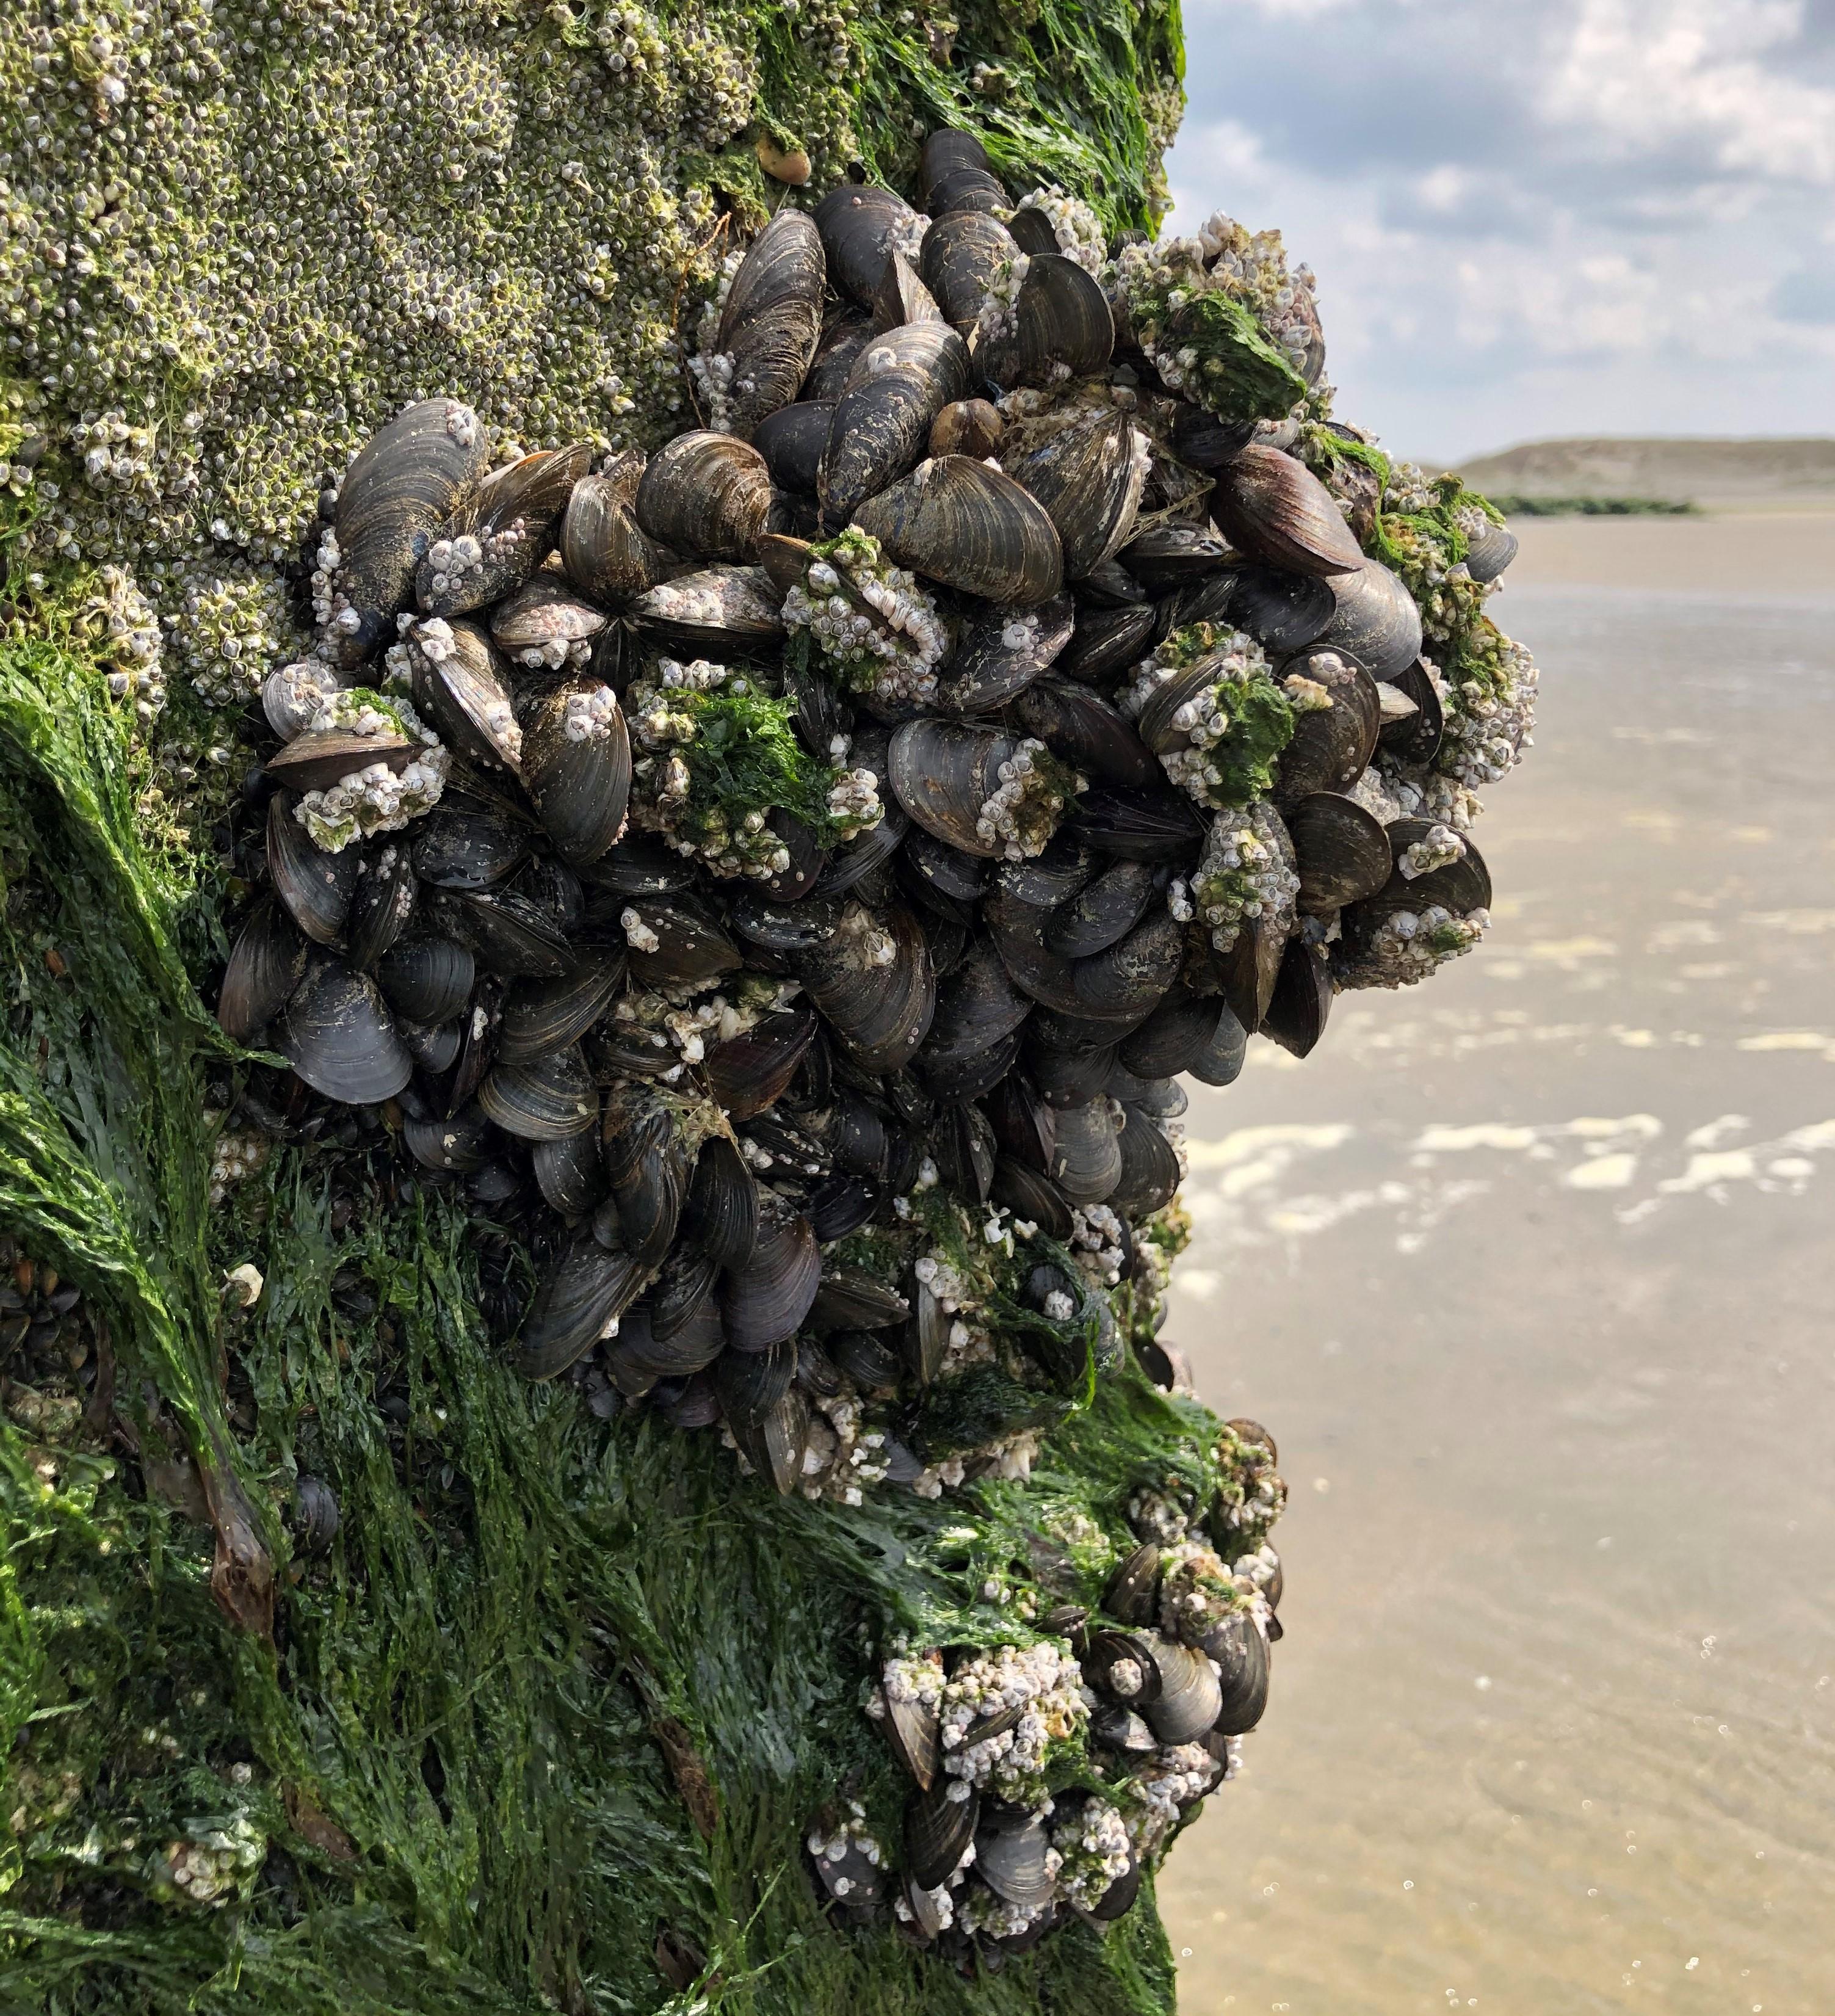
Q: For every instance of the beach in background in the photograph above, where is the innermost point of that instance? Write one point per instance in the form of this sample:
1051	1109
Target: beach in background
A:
1530	1272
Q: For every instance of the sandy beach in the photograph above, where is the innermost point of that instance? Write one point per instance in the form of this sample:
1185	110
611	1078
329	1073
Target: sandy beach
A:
1529	1271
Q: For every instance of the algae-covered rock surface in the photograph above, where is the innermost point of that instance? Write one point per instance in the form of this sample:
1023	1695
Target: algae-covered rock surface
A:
341	1668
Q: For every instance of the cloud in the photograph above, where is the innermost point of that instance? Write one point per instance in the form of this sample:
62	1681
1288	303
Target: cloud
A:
1534	216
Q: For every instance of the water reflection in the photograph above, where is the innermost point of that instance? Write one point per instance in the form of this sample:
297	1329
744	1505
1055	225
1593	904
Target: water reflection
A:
1530	1271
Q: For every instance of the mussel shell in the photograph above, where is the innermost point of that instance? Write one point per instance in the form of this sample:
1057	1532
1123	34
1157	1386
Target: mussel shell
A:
1242	1652
466	697
902	296
1169	556
1153	822
943	772
1417	739
774	1444
1282	612
967	188
967	426
339	1036
1103	910
1062	321
1489	551
838	1205
1251	966
972	527
510	935
899	383
1068	1078
1149	1176
874	1365
962	254
691	948
1132	1594
1188	1032
945	149
1108	1649
962	1145
607	554
1190	1695
706	494
584	1291
514	515
849	1298
428	979
407	478
1086	1162
859	226
750	1071
1001	652
879	1015
382	904
681	1307
841	345
1105	640
1118	1899
1374	621
1011	1861
937	1832
912	1728
1332	746
977	1008
1461	885
544	1098
456	849
315	888
1201	440
641	866
317	758
771	322
719	612
1302	999
544	610
723	1209
569	1173
267	962
1131	975
792	440
540	1017
1341	851
579	784
293	694
765	1297
1278	512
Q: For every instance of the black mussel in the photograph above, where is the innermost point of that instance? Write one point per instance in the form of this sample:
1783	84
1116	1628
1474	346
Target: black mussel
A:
1250	967
1275	509
464	1142
968	188
1130	977
723	1212
576	767
1017	929
579	1301
1201	440
708	495
1060	321
640	866
1240	1649
1149	1174
569	1173
543	1098
1415	736
683	1300
791	441
840	1204
751	1071
937	1831
316	760
874	985
1086	1162
427	979
967	426
970	526
501	533
720	611
408	478
787	927
1068	1078
1132	1593
1302	999
850	1298
1153	823
911	1727
542	1015
1012	1862
648	1160
772	1441
899	383
267	962
866	1358
977	1008
1333	744
965	256
606	553
1169	556
945	149
902	296
339	1036
1123	1664
771	322
677	943
455	849
765	1297
292	695
1374	621
1282	612
1001	652
1024	1126
841	345
859	227
817	1372
1435	865
383	903
462	684
1341	850
1103	910
1106	640
963	1149
942	878
511	935
315	887
314	1515
546	626
944	774
1083	729
926	1335
1198	1034
1489	551
1188	1697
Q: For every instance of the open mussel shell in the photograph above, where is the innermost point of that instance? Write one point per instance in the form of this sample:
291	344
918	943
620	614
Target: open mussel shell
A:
1374	620
1132	1593
314	887
1011	1861
408	478
902	296
1089	477
339	1036
503	532
542	1016
465	694
718	612
899	384
1150	1173
1240	1649
792	440
859	226
266	964
582	1294
750	1071
427	979
771	322
1087	732
1002	652
544	1098
1302	999
706	494
1413	738
1273	508
576	767
1341	851
1061	323
1189	1696
607	554
937	1832
763	1297
1332	746
971	527
963	255
722	1209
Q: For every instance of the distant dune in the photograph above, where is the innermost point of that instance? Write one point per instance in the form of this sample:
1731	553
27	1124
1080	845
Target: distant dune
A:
1736	473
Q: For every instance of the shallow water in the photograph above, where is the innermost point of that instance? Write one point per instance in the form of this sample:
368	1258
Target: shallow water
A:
1530	1272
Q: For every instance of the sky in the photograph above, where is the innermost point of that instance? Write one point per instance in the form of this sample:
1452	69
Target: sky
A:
1532	218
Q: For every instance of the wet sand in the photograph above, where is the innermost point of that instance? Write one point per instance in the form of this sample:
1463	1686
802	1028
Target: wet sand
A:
1530	1271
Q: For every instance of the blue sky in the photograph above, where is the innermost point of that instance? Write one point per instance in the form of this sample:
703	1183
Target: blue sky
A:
1535	217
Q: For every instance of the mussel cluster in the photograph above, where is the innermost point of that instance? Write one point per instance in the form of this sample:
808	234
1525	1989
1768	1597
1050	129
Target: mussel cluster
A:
783	879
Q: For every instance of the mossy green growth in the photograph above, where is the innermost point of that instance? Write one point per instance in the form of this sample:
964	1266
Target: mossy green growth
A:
1235	372
745	758
1261	716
